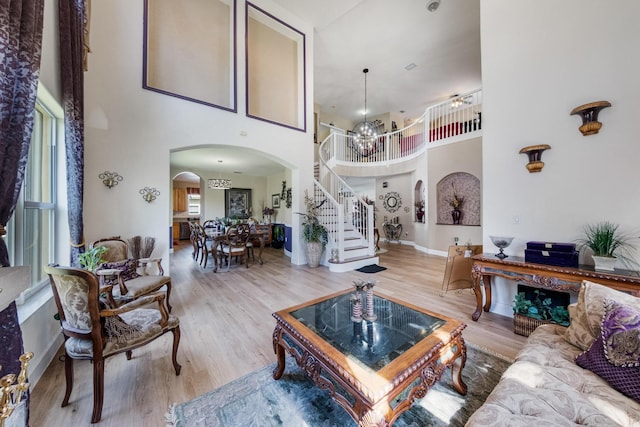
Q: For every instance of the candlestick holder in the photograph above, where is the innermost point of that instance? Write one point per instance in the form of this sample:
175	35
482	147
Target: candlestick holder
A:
356	307
11	393
369	315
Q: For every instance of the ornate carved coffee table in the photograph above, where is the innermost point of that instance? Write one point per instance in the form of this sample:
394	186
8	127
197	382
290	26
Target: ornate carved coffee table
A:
373	369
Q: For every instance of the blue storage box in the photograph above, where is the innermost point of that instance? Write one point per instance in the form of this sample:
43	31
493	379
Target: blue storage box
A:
556	258
552	246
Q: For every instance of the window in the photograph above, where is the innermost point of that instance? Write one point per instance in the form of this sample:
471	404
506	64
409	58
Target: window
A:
31	234
194	204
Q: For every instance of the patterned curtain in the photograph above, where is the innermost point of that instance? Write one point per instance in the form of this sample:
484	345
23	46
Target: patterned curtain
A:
72	23
20	48
20	44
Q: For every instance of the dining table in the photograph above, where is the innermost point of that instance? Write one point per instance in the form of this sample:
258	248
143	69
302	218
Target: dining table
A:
217	237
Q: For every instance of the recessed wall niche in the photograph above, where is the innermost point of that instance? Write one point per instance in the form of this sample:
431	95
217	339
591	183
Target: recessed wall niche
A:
189	50
459	190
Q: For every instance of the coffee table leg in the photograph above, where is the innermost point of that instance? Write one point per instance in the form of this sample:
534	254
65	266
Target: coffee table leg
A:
456	371
280	353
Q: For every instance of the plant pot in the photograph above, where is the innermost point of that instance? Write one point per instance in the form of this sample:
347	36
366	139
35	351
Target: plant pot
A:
313	250
604	263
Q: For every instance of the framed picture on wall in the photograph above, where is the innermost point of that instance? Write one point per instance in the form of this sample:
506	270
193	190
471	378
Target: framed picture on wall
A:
237	203
275	201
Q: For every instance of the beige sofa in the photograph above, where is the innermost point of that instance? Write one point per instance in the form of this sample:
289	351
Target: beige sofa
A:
546	387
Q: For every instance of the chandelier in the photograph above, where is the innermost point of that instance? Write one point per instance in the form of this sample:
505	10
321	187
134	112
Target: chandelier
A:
365	134
219	183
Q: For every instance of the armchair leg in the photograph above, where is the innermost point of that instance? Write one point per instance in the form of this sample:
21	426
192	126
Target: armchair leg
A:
168	295
128	353
176	343
98	390
68	373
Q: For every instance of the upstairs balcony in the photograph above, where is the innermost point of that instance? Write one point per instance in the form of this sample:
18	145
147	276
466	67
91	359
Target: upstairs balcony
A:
459	118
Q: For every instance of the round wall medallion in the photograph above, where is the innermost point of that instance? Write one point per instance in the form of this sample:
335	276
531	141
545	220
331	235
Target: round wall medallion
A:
392	201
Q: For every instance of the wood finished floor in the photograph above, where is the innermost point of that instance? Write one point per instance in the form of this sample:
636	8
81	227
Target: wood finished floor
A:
226	327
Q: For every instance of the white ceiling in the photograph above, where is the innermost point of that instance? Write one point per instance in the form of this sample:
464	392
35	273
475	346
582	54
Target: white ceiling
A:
384	36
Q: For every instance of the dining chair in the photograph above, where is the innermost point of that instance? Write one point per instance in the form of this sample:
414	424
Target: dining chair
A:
94	331
234	245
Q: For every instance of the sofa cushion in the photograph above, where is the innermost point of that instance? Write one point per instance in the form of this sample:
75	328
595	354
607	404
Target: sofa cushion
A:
586	316
614	354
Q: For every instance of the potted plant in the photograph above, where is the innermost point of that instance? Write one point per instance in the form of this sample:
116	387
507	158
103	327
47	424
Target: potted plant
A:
91	259
607	244
456	202
314	234
528	314
277	241
419	210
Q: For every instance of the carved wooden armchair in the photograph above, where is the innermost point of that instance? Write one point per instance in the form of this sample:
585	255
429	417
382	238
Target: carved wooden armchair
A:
92	332
130	274
234	244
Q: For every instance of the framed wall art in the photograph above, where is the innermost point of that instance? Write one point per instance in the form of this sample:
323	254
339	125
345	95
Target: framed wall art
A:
237	203
275	201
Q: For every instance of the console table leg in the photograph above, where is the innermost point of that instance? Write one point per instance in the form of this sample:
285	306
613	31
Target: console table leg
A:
486	279
478	292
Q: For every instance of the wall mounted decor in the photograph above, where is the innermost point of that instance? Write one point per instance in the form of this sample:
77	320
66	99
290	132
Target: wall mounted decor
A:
458	199
110	179
535	156
149	194
589	113
392	201
285	195
237	203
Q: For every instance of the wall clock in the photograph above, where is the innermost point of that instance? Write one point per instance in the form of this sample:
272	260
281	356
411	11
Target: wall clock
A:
392	201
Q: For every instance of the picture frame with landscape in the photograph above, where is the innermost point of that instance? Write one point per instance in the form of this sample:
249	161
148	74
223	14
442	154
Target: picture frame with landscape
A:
275	201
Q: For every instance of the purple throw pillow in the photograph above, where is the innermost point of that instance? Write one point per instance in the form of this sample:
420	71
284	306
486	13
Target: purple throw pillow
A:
129	269
615	354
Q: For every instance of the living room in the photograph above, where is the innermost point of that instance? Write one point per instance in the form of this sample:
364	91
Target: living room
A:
535	71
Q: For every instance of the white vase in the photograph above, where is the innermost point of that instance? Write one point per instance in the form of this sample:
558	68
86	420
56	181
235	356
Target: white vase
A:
314	253
604	263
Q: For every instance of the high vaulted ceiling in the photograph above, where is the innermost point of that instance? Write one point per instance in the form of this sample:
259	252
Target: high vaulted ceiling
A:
386	36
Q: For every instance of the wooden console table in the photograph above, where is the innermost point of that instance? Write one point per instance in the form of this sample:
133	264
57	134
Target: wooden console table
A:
563	279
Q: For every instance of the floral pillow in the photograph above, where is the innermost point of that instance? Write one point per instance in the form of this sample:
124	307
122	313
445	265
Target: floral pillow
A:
615	354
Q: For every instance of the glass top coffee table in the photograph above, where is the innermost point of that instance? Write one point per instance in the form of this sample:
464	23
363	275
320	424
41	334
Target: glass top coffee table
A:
373	369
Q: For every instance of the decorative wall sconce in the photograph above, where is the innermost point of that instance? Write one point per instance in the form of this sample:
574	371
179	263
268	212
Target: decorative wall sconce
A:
110	178
589	113
12	393
149	194
535	156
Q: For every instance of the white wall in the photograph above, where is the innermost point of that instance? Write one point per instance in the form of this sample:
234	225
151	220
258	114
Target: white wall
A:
540	59
131	130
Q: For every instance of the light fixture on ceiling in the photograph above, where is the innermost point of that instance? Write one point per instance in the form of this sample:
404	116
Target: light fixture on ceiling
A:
457	101
432	5
219	183
365	134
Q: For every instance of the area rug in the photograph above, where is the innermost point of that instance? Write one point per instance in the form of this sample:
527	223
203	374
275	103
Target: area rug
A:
373	268
294	401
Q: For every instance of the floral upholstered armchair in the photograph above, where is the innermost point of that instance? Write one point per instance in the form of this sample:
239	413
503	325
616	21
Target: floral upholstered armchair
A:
94	331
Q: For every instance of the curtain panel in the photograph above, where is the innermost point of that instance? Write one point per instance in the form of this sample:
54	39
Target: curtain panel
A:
20	48
72	24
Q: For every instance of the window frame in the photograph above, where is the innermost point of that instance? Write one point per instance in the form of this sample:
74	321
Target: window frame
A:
49	125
